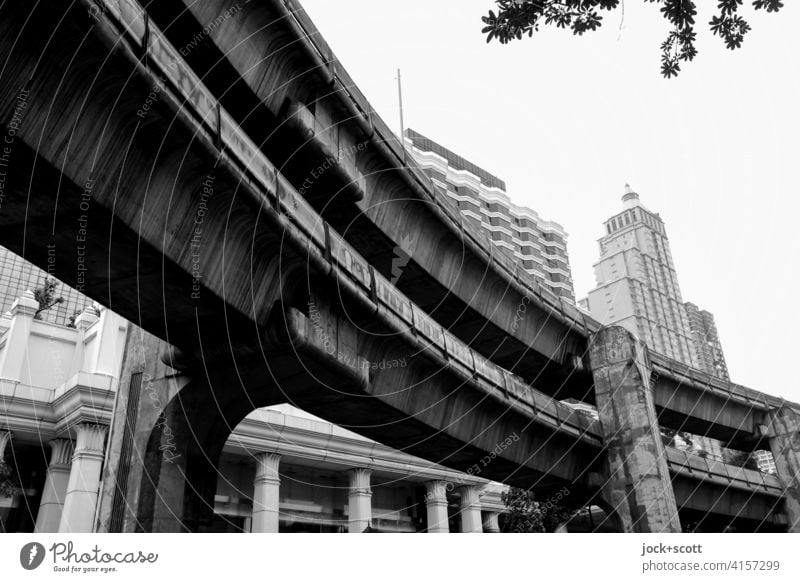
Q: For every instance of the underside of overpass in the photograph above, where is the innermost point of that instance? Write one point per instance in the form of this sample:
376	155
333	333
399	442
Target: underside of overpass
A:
114	138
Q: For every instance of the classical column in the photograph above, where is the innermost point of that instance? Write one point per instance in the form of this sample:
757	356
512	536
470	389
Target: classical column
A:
784	443
55	487
436	503
470	509
84	480
490	523
5	438
637	485
266	498
359	506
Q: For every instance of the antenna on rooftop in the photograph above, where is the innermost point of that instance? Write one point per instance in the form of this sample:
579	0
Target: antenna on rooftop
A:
402	123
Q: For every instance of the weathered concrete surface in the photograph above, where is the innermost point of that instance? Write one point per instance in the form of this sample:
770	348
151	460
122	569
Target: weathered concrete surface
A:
140	262
448	275
638	486
784	443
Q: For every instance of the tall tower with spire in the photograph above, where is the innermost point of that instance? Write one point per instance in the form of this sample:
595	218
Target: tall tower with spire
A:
637	285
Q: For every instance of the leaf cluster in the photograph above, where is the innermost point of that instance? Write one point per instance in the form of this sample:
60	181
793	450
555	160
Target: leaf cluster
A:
46	296
517	18
9	486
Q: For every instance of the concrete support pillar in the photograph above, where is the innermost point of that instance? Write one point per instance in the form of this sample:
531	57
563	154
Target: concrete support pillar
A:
55	487
266	496
490	522
784	443
470	510
5	438
436	504
638	485
12	357
359	501
84	480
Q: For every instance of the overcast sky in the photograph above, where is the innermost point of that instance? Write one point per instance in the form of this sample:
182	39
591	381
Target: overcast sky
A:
567	121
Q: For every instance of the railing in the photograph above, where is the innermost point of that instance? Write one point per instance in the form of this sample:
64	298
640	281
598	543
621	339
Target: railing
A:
686	375
723	474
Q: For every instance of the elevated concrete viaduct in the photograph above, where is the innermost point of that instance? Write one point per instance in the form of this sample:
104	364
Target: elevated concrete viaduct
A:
181	205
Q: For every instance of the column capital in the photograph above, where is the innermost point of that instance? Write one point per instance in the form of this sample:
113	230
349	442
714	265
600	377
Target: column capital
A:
615	345
490	522
470	509
268	467
436	491
61	451
90	438
784	421
360	481
470	495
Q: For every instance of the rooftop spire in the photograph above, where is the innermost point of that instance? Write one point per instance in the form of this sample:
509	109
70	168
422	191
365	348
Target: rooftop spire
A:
630	198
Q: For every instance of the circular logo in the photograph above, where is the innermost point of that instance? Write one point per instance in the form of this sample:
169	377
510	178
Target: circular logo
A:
31	555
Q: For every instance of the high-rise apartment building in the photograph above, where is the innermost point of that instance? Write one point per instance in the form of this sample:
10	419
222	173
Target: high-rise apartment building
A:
707	348
540	246
637	288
